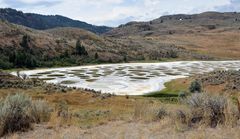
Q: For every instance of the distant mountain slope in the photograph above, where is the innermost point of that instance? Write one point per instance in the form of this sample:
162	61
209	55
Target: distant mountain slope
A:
209	33
43	22
179	24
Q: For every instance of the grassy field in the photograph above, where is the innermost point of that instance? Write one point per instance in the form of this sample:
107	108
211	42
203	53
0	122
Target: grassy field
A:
172	90
89	116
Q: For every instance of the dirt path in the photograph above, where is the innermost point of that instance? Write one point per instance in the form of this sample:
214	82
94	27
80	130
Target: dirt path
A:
127	130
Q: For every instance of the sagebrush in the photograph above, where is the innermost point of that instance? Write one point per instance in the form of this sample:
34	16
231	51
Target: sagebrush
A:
18	112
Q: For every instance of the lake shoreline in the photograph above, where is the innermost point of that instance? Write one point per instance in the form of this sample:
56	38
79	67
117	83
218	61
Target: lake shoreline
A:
127	78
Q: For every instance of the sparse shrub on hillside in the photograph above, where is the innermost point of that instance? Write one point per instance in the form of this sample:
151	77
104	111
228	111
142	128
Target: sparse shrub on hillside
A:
172	54
96	56
125	58
25	41
17	112
110	60
80	49
65	54
195	87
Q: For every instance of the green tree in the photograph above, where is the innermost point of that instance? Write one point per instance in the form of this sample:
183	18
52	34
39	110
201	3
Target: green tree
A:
80	49
20	58
125	58
23	59
25	41
12	57
96	56
195	87
30	61
110	60
65	54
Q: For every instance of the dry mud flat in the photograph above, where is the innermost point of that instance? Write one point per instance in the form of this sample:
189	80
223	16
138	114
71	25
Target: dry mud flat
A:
131	78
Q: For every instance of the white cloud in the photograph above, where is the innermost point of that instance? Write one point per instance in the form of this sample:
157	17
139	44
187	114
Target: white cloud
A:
34	1
3	4
115	12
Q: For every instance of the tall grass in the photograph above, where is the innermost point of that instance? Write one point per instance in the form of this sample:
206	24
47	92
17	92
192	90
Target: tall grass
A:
149	111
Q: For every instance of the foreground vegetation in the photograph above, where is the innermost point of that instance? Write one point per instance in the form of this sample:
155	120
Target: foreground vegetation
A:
194	112
18	112
72	111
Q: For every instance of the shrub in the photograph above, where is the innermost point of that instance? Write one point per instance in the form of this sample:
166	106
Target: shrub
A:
172	54
5	64
17	112
96	56
125	59
181	116
14	113
80	49
40	111
195	87
182	96
162	113
207	109
62	109
25	41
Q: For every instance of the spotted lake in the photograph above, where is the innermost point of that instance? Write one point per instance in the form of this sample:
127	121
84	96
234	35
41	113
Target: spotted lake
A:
131	78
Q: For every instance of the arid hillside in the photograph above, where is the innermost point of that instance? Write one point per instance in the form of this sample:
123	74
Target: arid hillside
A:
58	47
179	24
206	36
211	33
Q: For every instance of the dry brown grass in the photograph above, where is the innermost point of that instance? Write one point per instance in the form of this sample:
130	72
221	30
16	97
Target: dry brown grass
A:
134	130
84	109
135	117
221	44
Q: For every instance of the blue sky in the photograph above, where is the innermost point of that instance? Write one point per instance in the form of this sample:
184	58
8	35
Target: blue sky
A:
116	12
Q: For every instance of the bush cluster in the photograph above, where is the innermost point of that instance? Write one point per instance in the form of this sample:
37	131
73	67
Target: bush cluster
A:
18	112
209	110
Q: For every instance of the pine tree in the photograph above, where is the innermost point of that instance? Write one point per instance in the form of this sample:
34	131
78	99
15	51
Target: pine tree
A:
25	41
96	56
80	49
125	59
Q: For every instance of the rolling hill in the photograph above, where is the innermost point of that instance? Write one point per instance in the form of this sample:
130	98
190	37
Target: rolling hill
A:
179	24
43	22
211	33
206	36
57	47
